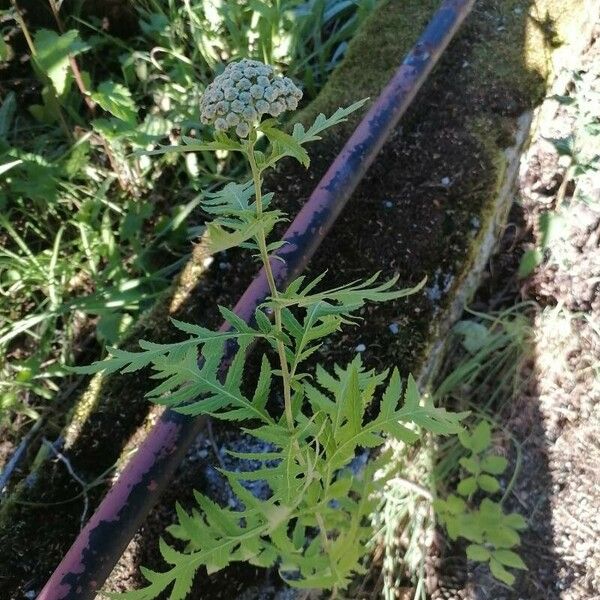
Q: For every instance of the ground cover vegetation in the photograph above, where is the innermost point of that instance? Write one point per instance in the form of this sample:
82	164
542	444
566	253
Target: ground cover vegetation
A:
90	233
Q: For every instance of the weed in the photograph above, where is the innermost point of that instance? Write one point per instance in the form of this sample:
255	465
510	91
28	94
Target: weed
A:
312	527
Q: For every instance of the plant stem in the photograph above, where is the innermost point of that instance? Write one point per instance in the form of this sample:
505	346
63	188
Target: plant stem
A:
74	66
44	76
264	254
285	373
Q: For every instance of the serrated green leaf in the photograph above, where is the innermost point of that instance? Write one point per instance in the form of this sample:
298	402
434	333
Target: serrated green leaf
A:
52	55
494	464
509	559
481	437
285	145
469	464
392	394
116	99
500	573
488	483
467	486
478	553
322	123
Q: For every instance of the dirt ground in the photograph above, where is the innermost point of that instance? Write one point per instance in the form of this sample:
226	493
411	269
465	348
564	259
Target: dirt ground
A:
556	419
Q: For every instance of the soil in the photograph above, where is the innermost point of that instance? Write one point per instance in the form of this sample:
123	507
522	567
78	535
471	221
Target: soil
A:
416	213
556	417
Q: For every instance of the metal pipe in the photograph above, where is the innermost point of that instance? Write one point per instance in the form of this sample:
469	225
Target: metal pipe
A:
97	548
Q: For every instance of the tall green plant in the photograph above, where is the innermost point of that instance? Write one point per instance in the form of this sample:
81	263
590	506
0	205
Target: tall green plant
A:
314	525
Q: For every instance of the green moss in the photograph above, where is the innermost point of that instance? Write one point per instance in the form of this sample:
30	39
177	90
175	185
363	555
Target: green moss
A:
373	55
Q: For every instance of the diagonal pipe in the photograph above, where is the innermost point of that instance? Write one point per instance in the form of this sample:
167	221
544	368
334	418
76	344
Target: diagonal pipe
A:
101	542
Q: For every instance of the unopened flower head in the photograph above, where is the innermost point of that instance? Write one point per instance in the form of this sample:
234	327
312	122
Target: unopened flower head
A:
243	93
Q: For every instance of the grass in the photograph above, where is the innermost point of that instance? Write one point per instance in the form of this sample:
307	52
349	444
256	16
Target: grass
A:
89	233
483	372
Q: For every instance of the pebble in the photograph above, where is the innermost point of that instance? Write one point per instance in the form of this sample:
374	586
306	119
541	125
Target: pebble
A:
394	328
445	181
360	348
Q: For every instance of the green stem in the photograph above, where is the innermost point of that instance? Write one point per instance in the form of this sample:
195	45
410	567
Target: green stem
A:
264	255
277	309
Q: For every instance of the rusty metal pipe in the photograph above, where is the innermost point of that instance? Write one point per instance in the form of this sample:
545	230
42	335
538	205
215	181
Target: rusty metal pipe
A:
98	547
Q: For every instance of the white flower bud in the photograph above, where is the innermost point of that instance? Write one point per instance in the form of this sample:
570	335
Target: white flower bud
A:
250	114
257	91
271	93
221	124
232	119
276	108
245	91
237	106
262	106
222	107
230	93
242	130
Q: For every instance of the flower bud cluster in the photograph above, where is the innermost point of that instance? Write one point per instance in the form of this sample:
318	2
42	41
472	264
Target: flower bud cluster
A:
243	93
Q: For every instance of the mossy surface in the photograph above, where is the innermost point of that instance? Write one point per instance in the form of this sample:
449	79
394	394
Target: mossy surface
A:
420	211
373	55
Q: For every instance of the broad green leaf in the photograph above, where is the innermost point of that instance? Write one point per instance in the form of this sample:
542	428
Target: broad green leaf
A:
475	335
478	553
52	55
500	573
503	537
494	464
488	483
116	99
455	504
6	51
509	559
551	226
515	521
469	464
465	439
467	486
481	437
